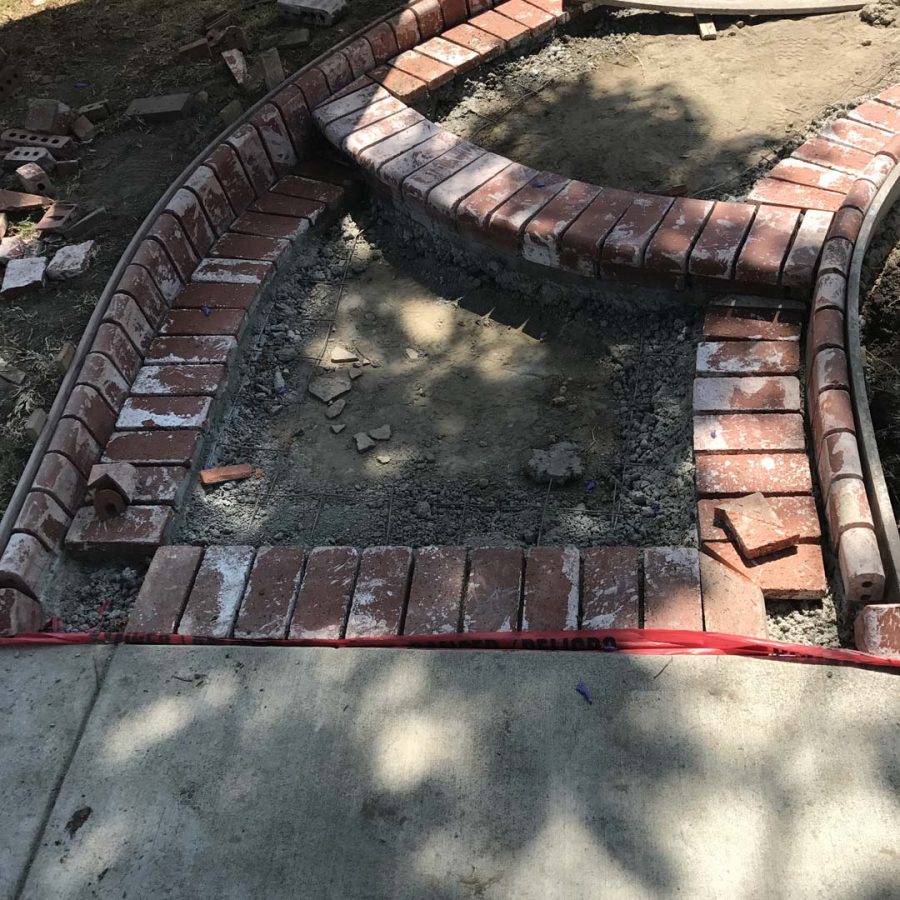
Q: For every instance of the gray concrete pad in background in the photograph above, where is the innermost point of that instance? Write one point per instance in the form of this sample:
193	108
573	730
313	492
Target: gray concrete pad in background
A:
45	695
312	773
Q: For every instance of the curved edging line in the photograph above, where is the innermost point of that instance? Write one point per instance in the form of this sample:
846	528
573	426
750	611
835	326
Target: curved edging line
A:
738	7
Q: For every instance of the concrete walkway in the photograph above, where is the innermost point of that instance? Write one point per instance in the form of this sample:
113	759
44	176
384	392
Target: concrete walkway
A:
304	773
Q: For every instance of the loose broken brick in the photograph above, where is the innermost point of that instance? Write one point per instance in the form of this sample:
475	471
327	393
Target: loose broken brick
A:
316	12
58	218
114	486
34	179
195	51
95	112
16	201
48	116
221	474
237	65
83	129
755	527
794	574
161	109
272	68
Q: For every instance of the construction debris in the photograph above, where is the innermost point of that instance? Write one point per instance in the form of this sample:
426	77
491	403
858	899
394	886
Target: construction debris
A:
707	27
195	51
289	40
220	474
167	108
237	65
35	423
87	224
58	218
329	387
316	12
60	145
363	442
35	180
754	526
15	201
23	275
48	116
12	248
114	487
272	68
382	433
64	358
20	156
95	112
83	129
71	261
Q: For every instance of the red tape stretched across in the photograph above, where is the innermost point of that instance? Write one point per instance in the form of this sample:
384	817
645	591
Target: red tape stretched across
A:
649	641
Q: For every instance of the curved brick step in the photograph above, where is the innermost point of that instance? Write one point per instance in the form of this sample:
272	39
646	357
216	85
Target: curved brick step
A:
336	592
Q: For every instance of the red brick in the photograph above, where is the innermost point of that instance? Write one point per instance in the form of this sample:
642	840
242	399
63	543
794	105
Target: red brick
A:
276	140
672	597
832	413
160	485
284	205
827	329
212	605
378	132
752	394
218	296
324	598
42	517
745	432
125	313
879	115
795	574
847	507
541	238
749	324
205	184
732	604
748	357
180	350
754	527
838	457
720	475
234	271
798	171
476	209
283	227
445	198
419	183
671	245
249	246
581	244
74	441
494	590
148	413
611	587
221	474
855	134
330	195
766	247
550	598
88	406
359	55
431	72
554	8
859	561
171	235
271	593
394	172
454	12
829	371
159	448
191	322
626	244
861	195
295	113
349	103
485	44
429	17
800	265
512	33
229	171
401	84
313	86
535	20
406	29
165	276
883	163
137	283
891	96
797	514
139	529
508	221
164	592
877	630
834	155
61	480
831	292
381	592
23	564
338	131
377	156
337	71
478	6
716	251
186	207
383	42
19	614
436	592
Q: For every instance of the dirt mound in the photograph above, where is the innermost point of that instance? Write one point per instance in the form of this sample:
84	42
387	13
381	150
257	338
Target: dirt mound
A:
882	14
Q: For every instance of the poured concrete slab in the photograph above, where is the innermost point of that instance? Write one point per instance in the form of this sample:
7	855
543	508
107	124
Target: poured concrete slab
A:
45	695
254	772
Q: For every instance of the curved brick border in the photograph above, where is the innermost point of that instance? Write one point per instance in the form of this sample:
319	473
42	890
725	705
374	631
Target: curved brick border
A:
155	353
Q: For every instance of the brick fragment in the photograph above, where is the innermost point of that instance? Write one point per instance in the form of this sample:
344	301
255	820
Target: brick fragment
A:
610	587
221	474
551	595
139	529
751	394
436	591
205	185
381	592
494	589
795	574
722	475
42	517
19	614
324	598
672	596
157	448
271	593
213	603
754	526
798	515
743	432
732	604
748	357
23	564
877	629
716	250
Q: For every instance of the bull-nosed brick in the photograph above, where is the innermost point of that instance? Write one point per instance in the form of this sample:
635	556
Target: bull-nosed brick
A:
830	292
23	564
406	29
206	187
670	247
626	244
360	56
476	209
417	185
164	591
508	221
829	371
168	232
19	614
292	106
847	507
611	589
313	86
230	174
445	198
827	329
837	458
154	259
98	372
86	404
752	393
383	42
324	598
381	592
212	605
861	195
72	440
672	596
268	602
541	238
859	561
337	71
61	480
831	413
716	250
429	17
800	264
551	594
249	147
877	629
186	207
137	283
276	140
494	589
764	251
348	103
436	591
454	12
123	312
582	242
376	157
42	517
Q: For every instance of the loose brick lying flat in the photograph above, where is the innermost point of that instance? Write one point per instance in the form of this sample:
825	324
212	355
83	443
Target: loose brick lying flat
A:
797	514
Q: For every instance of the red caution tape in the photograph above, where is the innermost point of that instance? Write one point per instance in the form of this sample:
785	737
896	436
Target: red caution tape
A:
646	641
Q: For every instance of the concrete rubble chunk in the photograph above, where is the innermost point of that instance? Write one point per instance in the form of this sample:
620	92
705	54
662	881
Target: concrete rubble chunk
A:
12	248
272	68
341	354
382	433
71	261
363	441
559	464
337	429
48	116
317	12
335	409
330	386
23	275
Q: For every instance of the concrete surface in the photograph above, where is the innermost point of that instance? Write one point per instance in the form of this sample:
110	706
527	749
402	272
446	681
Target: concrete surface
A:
254	772
45	696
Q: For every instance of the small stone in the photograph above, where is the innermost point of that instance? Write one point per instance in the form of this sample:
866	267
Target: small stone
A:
384	460
71	261
35	423
355	373
559	464
329	387
335	409
278	382
363	441
411	353
64	357
423	509
342	355
337	429
382	433
23	275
